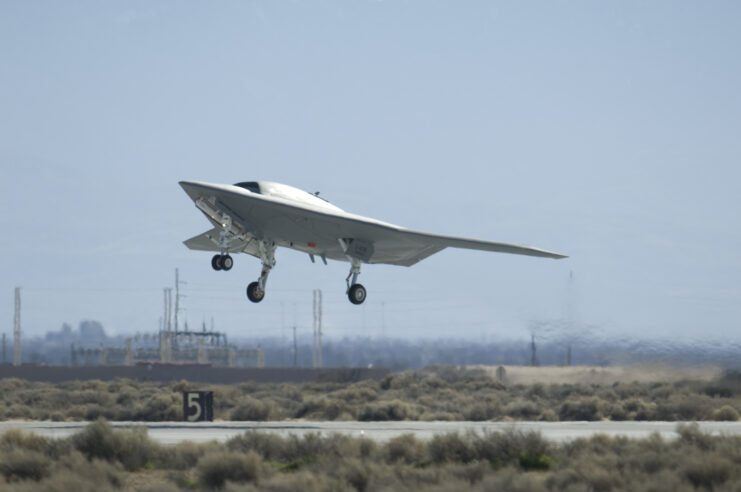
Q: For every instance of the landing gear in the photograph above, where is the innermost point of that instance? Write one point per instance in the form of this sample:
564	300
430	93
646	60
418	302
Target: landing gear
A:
255	293
355	291
256	290
222	262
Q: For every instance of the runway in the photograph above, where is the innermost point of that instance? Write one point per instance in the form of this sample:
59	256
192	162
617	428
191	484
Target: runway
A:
175	432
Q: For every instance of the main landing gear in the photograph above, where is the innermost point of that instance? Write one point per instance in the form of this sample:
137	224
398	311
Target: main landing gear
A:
222	262
256	290
355	291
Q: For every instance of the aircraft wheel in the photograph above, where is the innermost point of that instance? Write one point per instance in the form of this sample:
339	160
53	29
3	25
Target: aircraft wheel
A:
356	294
226	263
254	293
216	262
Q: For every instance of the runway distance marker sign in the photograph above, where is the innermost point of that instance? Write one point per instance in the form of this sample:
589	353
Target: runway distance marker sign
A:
198	406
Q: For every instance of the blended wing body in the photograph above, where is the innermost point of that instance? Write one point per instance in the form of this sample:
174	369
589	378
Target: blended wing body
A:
252	217
317	230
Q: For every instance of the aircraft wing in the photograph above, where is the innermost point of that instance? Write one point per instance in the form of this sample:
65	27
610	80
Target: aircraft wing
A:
332	234
421	245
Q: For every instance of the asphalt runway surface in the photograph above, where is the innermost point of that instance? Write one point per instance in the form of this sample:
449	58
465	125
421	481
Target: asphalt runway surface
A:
175	432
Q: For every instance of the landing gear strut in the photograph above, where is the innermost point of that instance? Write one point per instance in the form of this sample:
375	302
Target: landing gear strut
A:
222	262
256	290
355	291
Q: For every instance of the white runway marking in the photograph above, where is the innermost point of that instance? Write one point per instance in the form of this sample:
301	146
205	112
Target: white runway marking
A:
175	432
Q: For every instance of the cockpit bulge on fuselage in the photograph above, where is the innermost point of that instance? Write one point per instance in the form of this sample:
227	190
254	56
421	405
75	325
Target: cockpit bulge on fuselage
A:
286	192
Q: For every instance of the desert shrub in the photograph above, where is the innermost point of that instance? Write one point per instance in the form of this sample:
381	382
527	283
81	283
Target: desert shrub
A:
16	438
214	469
323	407
616	411
23	464
505	448
540	462
343	446
93	471
537	390
718	389
512	480
8	385
19	411
127	396
310	447
522	409
388	410
691	435
353	472
405	449
726	412
451	447
691	407
252	409
95	411
638	409
160	407
482	411
304	481
271	447
548	415
707	472
183	455
580	409
133	449
357	393
589	473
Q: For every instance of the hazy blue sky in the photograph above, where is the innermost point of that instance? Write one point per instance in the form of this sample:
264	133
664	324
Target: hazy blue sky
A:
610	132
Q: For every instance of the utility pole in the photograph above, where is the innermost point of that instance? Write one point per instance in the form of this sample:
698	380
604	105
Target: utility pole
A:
295	347
533	359
4	356
166	334
321	362
383	319
17	328
317	352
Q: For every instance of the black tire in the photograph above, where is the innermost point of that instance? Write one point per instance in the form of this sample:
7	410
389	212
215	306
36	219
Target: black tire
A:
216	262
254	293
356	294
226	263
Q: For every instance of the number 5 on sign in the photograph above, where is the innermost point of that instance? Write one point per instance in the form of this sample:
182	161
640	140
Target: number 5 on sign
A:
198	406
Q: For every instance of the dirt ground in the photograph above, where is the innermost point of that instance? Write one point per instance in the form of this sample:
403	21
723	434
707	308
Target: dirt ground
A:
603	375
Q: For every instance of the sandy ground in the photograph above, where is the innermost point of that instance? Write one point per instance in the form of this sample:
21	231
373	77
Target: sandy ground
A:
603	375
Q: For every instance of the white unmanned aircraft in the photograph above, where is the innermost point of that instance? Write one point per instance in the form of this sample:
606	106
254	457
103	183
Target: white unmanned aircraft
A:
256	217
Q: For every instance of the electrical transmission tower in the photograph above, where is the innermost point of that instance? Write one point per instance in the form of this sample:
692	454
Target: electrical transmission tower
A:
166	332
178	295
